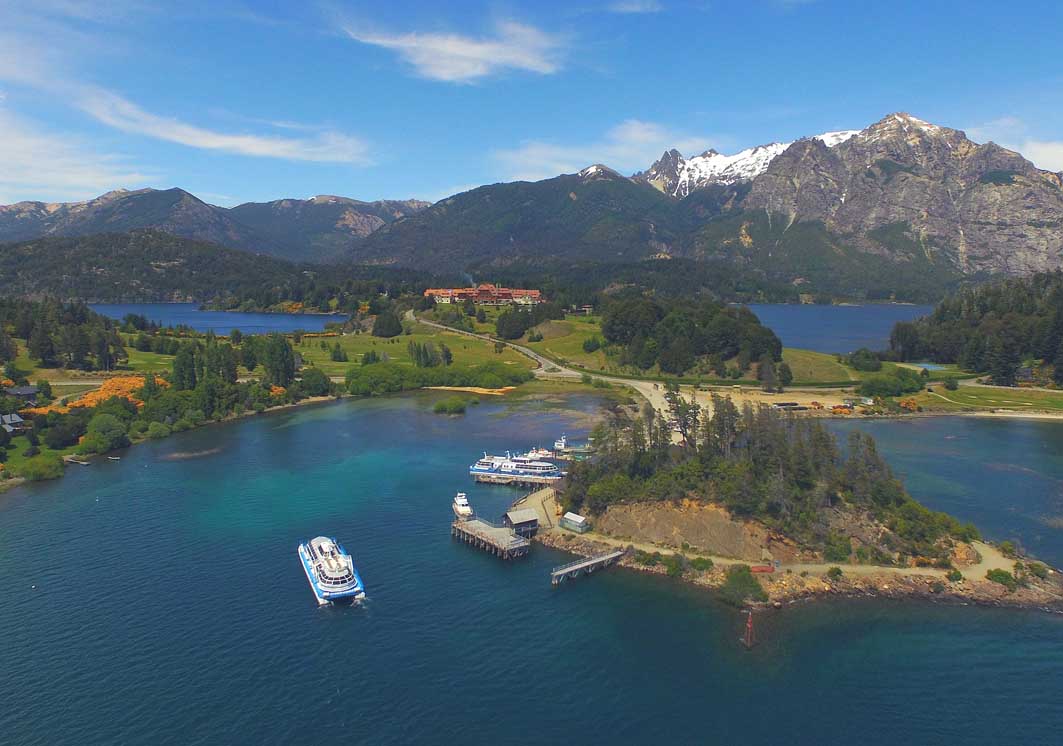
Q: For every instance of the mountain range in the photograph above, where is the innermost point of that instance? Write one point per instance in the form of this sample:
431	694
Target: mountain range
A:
876	212
319	229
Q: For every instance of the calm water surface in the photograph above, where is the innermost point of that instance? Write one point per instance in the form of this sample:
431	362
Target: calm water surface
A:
170	606
835	328
219	322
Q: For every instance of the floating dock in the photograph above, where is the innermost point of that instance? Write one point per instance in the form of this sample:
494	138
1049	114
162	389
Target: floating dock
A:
516	480
584	566
493	539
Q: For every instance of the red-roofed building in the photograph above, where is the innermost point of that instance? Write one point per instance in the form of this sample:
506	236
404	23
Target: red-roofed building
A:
486	294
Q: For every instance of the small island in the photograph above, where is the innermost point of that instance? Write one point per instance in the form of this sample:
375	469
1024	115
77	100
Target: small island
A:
765	507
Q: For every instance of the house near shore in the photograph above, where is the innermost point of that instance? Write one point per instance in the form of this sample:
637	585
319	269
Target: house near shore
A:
486	294
27	394
12	423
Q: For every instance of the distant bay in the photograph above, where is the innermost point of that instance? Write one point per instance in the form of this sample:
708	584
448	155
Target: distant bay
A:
219	322
835	328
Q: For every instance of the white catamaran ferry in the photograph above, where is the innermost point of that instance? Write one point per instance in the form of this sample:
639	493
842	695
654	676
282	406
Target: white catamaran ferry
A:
330	570
515	466
462	509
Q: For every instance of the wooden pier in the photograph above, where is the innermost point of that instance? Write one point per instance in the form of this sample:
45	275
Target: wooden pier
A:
492	538
584	566
515	480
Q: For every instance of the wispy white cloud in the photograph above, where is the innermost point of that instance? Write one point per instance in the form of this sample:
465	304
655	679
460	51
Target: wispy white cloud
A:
1012	133
457	58
38	164
53	38
326	146
632	145
636	6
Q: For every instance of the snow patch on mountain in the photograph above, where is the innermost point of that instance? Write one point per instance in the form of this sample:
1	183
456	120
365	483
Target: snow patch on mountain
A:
680	176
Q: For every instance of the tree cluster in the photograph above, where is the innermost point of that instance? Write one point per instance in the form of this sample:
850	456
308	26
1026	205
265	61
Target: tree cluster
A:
70	335
675	335
991	328
760	463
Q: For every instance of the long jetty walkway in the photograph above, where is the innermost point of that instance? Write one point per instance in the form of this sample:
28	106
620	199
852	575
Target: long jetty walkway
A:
500	541
584	566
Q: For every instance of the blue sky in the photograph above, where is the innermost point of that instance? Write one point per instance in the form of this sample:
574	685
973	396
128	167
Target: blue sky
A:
249	101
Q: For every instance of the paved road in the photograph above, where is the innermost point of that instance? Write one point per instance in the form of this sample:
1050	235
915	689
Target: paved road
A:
548	369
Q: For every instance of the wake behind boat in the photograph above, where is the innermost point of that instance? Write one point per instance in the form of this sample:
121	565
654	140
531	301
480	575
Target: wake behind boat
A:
330	570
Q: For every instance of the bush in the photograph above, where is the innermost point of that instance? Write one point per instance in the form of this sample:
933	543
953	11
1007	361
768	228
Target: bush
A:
675	565
158	430
1003	577
837	549
951	384
954	576
181	425
105	432
646	559
865	360
44	466
1037	569
315	382
450	405
31	451
741	586
387	325
701	563
834	573
591	344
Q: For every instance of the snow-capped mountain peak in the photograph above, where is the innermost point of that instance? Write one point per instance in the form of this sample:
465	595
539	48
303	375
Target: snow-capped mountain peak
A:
679	176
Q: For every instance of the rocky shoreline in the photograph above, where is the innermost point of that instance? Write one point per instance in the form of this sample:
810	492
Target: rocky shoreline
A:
785	588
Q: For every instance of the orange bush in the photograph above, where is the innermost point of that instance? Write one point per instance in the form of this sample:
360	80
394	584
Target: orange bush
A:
127	387
277	391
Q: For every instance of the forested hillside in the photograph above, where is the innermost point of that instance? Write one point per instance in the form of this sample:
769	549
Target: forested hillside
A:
991	328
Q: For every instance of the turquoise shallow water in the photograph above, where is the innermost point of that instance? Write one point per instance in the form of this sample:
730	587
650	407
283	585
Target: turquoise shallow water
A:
170	608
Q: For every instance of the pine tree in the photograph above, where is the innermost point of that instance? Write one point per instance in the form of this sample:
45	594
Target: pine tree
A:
184	369
1057	374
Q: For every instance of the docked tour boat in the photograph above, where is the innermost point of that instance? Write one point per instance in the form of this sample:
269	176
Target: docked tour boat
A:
330	570
515	466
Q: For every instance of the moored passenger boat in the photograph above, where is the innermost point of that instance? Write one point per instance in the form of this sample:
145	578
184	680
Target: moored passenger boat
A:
515	467
461	507
330	570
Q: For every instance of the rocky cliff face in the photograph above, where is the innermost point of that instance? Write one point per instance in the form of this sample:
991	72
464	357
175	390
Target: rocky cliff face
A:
975	208
900	188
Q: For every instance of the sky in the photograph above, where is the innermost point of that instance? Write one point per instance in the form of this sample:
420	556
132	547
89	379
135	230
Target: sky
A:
243	101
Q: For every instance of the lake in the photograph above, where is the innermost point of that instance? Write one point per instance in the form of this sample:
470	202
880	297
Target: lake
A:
834	329
219	322
170	606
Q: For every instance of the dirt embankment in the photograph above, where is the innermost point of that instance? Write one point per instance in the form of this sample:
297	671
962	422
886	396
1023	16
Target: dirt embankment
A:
703	527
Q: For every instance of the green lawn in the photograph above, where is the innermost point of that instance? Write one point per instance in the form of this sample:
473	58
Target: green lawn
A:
466	350
974	398
563	341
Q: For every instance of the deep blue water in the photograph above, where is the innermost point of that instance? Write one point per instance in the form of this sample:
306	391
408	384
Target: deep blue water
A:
219	322
170	606
835	328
